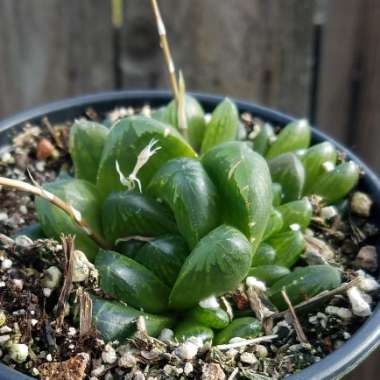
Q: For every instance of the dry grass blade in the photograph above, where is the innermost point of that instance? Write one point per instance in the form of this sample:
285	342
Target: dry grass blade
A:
296	323
69	210
165	48
246	342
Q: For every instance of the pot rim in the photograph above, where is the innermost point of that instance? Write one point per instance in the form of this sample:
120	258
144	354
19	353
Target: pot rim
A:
365	340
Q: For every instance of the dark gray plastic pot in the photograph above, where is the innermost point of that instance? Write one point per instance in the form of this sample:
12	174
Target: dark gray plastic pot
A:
335	365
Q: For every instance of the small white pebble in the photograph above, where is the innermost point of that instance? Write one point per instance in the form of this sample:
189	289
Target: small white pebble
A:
328	212
33	322
361	204
359	305
2	284
196	340
231	353
248	358
3	216
340	312
40	166
346	335
98	371
127	360
72	331
5	330
253	282
188	369
23	209
367	283
47	292
52	277
261	351
207	117
49	358
18	352
166	335
186	350
23	241
18	283
4	339
6	264
109	354
209	303
35	371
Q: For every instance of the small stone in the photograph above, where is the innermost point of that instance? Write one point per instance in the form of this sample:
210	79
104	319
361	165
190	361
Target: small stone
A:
3	318
98	371
367	258
52	277
187	350
108	376
18	283
35	371
18	352
23	209
82	268
5	330
367	283
261	351
328	213
346	335
231	353
2	284
166	335
209	303
248	358
109	354
46	149
138	375
188	369
47	292
212	371
6	264
72	331
3	216
340	312
23	241
40	166
49	358
313	244
4	339
253	282
361	204
359	305
127	360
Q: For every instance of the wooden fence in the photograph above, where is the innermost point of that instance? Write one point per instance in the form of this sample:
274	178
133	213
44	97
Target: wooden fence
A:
315	58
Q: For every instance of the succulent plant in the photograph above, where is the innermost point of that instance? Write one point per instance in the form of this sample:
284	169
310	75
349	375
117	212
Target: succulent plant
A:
173	221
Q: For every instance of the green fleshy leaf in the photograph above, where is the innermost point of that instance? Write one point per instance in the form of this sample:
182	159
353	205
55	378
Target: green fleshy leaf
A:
269	274
264	255
296	212
313	161
275	224
127	214
185	186
126	140
296	135
129	281
195	117
243	181
288	246
277	194
218	263
304	283
223	125
82	196
86	143
164	256
263	139
117	321
192	328
214	318
289	172
336	184
247	327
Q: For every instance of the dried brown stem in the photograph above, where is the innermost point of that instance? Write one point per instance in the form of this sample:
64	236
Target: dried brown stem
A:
296	323
85	314
324	296
165	48
53	133
69	210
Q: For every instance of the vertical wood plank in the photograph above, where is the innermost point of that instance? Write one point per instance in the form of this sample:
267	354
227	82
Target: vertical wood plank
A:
53	49
258	50
338	67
